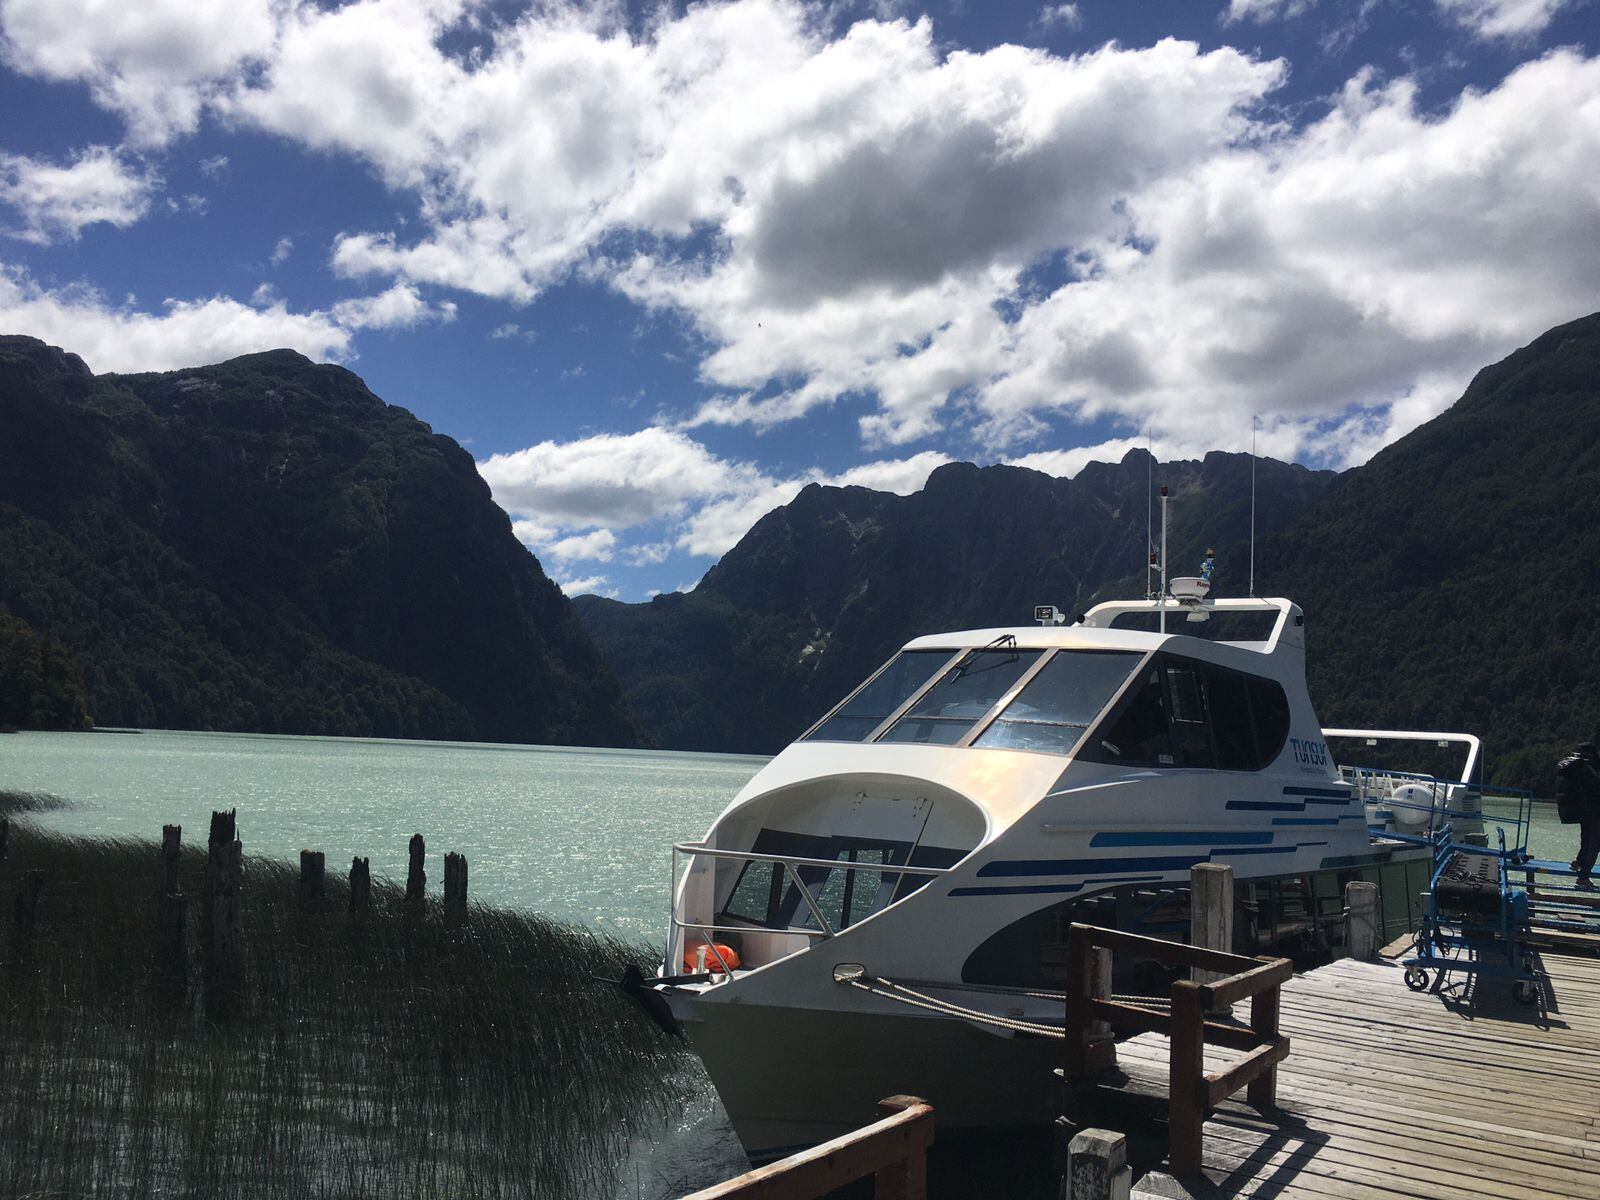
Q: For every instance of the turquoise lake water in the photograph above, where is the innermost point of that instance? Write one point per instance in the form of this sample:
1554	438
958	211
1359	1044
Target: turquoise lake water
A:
575	833
583	834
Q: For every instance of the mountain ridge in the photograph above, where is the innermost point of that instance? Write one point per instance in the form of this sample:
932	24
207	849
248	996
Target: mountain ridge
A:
264	544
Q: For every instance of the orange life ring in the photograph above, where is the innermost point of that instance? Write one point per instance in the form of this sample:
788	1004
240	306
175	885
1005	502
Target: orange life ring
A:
729	956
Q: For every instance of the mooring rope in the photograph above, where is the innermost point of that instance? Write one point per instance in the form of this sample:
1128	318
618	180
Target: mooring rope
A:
889	990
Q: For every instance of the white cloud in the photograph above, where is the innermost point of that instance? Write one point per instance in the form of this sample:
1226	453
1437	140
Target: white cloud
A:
115	336
401	307
1059	16
1002	242
596	546
155	62
656	476
58	202
1262	11
587	585
281	251
214	167
1508	19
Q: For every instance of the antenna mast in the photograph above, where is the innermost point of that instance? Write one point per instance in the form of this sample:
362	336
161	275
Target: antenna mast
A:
1254	421
1149	512
1161	602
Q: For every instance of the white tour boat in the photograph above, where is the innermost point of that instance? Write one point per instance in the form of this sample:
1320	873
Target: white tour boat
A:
883	908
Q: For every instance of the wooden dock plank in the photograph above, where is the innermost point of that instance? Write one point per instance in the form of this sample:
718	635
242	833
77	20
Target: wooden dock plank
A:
1389	1094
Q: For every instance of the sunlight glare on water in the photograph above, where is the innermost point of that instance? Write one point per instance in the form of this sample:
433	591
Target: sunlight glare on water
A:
576	833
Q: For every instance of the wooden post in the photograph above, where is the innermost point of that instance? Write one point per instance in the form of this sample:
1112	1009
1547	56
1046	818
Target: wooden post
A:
313	876
1101	1051
172	906
1097	1167
908	1178
360	885
455	888
416	876
1361	920
25	911
1210	913
1263	1090
224	874
1080	990
1186	1074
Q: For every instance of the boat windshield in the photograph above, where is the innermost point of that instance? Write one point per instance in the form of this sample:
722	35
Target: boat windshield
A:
880	696
963	697
1060	702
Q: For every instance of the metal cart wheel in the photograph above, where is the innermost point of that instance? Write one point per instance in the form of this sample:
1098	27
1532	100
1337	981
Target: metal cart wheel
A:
1524	992
1416	979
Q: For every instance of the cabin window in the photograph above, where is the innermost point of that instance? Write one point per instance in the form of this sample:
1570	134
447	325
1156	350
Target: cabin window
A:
1060	702
865	881
876	700
1191	733
963	696
1138	732
1185	713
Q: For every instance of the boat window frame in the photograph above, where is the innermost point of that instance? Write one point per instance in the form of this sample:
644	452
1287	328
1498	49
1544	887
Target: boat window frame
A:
1141	656
894	716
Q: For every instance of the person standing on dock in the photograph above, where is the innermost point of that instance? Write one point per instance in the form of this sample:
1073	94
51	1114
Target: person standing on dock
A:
1578	799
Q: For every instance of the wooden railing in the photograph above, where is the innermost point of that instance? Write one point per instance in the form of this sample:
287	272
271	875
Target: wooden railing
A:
1191	1092
893	1150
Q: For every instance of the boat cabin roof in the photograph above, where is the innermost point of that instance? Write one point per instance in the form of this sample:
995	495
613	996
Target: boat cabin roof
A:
1096	632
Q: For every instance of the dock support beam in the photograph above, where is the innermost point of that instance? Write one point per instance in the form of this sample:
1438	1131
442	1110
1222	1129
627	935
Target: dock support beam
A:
1210	913
1097	1167
1361	920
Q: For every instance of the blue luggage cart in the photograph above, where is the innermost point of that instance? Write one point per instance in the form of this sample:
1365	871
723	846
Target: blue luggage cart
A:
1474	921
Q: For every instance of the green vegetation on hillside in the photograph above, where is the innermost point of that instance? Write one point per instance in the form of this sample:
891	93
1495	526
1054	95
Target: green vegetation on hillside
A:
1451	582
264	545
41	686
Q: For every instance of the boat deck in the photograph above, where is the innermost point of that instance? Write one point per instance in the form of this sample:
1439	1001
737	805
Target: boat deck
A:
1456	1093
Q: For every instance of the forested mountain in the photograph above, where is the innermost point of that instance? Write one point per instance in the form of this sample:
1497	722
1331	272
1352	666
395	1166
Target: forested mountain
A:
1451	582
265	545
822	590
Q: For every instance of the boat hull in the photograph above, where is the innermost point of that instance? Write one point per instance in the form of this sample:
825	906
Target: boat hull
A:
793	1077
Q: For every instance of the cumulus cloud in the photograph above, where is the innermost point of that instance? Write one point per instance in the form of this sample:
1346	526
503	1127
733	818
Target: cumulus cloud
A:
1059	16
596	546
1261	11
862	211
57	202
659	476
115	336
154	62
281	250
1506	19
401	307
586	585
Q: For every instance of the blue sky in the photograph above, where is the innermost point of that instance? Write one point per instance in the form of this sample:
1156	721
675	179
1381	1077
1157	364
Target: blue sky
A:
657	266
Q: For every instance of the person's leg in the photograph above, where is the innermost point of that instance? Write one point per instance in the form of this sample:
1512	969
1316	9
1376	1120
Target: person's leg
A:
1589	846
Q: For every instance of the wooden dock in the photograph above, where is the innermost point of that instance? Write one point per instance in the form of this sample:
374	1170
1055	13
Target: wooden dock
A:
1455	1093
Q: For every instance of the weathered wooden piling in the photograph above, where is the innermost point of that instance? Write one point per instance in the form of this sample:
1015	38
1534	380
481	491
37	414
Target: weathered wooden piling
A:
1210	913
224	873
172	906
416	875
1097	1167
1361	917
25	910
313	876
455	888
360	885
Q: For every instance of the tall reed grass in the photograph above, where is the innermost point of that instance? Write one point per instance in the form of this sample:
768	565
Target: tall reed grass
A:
364	1056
